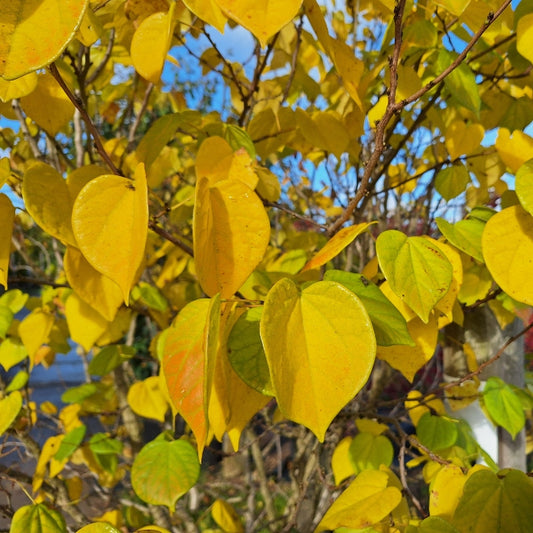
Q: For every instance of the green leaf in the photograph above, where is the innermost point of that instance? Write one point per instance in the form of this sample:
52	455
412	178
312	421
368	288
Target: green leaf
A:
10	407
98	527
452	181
461	82
503	405
238	138
418	271
496	502
390	326
246	353
164	471
6	317
436	432
37	519
436	524
150	296
79	393
109	358
524	185
20	379
70	443
106	450
465	235
368	452
14	299
303	333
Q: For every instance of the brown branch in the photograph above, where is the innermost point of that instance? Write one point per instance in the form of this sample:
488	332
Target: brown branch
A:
87	119
171	238
24	127
294	59
137	122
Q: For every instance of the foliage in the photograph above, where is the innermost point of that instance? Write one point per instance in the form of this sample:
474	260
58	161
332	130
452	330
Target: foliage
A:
274	249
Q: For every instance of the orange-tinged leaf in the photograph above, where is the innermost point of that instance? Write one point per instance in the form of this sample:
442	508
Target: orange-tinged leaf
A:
10	407
110	223
47	199
408	359
365	502
150	44
507	243
209	11
341	462
85	324
99	291
303	333
188	360
7	216
226	517
48	105
146	399
263	18
336	244
34	330
34	32
231	233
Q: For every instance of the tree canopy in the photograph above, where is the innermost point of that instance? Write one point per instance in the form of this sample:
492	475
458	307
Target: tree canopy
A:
301	229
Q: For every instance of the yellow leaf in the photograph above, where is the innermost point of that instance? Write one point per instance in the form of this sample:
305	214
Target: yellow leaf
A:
34	331
10	407
263	18
365	502
47	199
507	244
34	32
303	333
214	159
146	399
336	244
408	359
226	517
208	11
418	405
79	177
110	223
462	138
461	396
341	463
524	36
188	363
445	491
48	105
100	292
49	449
516	150
231	233
17	88
7	216
84	323
366	425
150	44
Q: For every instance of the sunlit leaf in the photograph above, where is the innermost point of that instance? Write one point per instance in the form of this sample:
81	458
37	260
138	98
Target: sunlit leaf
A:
12	352
97	290
226	517
164	471
263	18
503	405
418	272
146	399
390	326
7	215
150	44
465	235
189	355
524	36
17	88
445	491
34	330
496	502
209	11
368	452
70	442
47	199
35	32
335	245
20	380
524	185
10	407
38	518
508	251
463	138
365	502
301	332
231	233
514	149
452	181
341	462
98	527
110	223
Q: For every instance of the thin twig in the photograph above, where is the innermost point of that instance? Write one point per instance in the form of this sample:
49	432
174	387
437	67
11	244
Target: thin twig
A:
171	238
24	127
87	119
